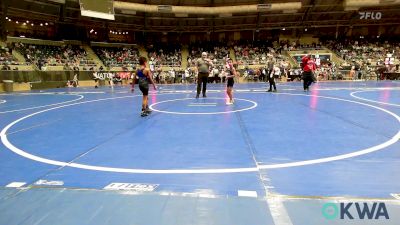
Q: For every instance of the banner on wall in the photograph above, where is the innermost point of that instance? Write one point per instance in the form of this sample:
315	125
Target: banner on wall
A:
111	75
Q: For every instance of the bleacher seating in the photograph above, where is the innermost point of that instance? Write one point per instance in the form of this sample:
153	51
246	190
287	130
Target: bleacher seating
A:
118	56
216	51
68	56
7	60
165	55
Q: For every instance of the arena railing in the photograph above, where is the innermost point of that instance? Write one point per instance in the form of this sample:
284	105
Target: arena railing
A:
214	10
43	76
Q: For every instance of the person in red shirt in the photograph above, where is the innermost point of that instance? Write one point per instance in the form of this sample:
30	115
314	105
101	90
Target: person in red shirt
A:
304	61
308	65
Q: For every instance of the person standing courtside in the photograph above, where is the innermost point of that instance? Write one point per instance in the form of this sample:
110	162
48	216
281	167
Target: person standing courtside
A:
271	74
309	67
231	73
203	66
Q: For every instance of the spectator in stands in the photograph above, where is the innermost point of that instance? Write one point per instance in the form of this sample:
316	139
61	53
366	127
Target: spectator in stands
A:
165	55
66	67
285	66
70	83
118	57
48	55
6	67
186	75
365	52
172	75
263	73
215	74
76	80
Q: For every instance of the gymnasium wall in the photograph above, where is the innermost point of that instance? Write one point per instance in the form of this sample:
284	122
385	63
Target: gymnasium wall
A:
43	76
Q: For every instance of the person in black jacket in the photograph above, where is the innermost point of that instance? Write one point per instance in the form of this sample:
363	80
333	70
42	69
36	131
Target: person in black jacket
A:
263	73
270	76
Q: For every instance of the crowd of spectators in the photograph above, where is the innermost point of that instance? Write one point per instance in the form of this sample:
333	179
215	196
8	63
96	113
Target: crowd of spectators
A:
165	55
360	57
254	53
365	52
218	52
286	45
363	56
69	56
7	59
118	56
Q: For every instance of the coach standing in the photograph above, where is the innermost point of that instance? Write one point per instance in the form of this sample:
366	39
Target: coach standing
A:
203	66
271	74
309	67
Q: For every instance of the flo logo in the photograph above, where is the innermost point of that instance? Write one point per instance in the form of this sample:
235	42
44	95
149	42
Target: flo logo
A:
355	211
370	15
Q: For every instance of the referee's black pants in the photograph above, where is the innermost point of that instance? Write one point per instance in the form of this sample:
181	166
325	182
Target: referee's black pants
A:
202	78
308	79
271	81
